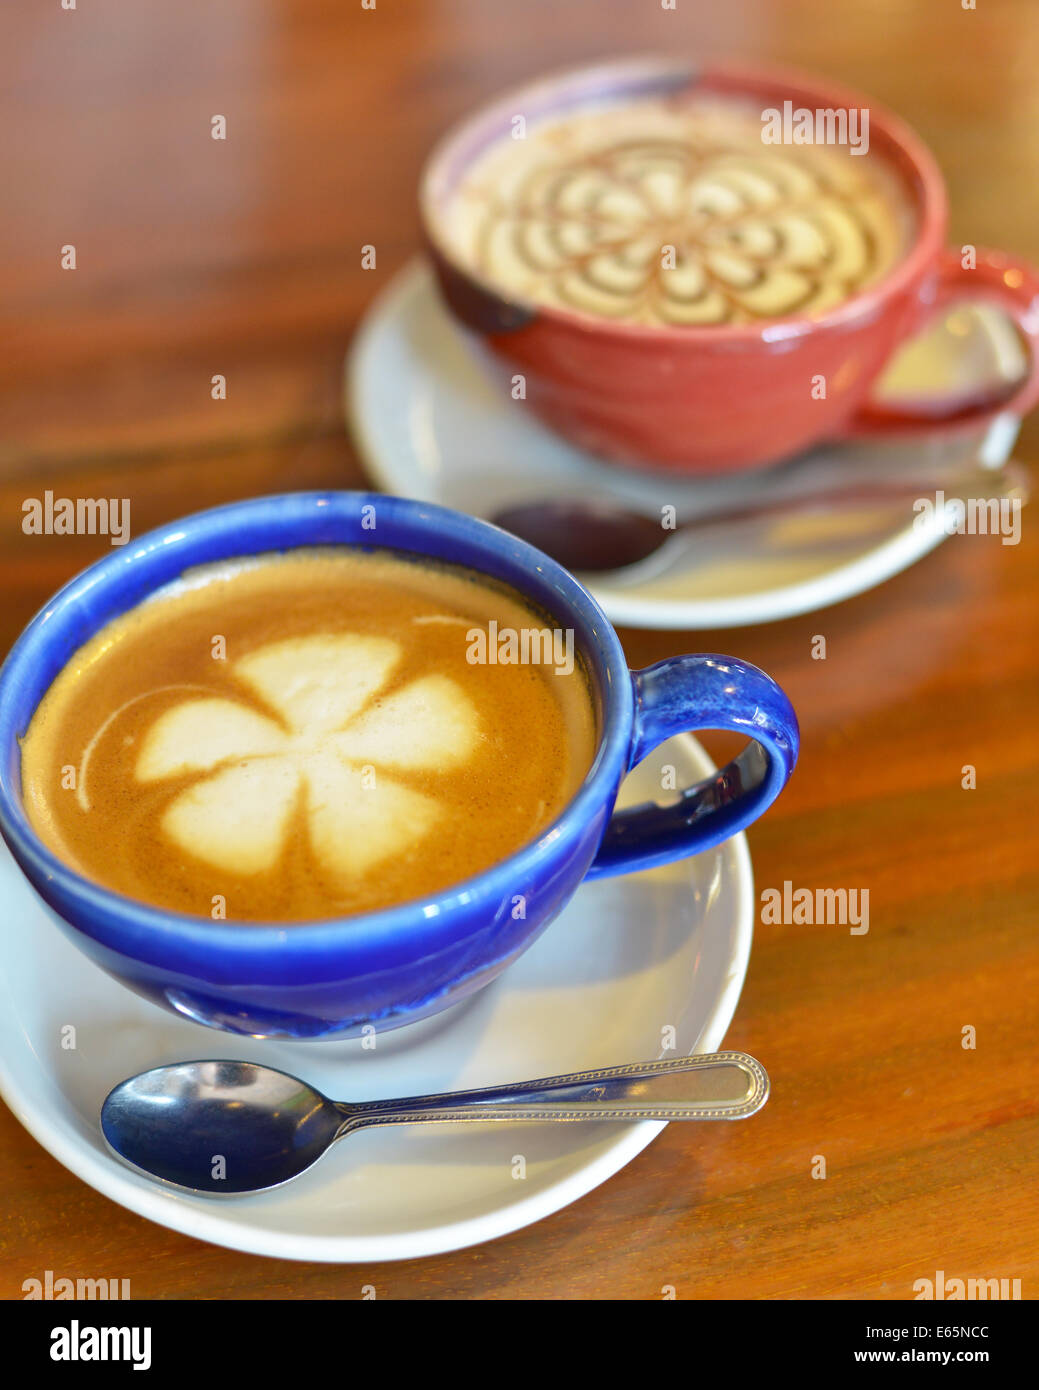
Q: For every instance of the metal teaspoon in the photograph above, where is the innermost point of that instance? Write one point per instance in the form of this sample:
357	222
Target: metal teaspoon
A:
230	1127
599	536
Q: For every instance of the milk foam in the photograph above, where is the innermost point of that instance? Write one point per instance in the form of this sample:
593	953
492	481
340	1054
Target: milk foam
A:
326	755
658	212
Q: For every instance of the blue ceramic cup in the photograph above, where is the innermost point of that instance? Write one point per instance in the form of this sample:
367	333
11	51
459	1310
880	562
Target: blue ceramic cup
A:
329	978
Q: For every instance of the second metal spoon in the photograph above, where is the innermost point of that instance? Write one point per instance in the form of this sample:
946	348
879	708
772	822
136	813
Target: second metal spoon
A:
596	536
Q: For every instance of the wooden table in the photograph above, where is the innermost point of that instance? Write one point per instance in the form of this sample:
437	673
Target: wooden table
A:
198	257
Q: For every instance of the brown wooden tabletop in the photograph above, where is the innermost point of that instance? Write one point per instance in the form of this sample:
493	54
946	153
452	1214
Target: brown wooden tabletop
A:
198	257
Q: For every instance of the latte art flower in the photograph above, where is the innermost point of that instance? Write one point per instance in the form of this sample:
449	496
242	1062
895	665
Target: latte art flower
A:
689	238
678	216
333	751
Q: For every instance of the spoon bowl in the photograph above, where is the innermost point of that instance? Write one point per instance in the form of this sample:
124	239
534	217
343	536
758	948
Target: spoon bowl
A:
220	1127
589	536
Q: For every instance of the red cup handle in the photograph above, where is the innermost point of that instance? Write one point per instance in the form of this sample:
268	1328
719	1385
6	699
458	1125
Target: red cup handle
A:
995	279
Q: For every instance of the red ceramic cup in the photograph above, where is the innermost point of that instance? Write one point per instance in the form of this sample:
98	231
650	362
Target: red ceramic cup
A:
719	399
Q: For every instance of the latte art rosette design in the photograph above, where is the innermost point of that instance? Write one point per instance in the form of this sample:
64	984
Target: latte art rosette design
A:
333	748
686	224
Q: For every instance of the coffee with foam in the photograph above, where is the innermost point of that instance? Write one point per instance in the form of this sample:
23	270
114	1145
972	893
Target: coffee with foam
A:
676	212
304	736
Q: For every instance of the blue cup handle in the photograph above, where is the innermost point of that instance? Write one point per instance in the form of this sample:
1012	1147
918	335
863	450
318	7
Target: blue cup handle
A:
680	695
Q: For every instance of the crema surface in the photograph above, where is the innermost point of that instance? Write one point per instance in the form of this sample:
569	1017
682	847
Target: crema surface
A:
677	212
304	736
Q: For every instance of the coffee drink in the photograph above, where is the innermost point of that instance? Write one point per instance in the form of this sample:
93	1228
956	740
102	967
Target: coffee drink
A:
676	212
309	735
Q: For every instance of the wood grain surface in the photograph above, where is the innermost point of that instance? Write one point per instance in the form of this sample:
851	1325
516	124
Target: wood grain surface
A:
242	257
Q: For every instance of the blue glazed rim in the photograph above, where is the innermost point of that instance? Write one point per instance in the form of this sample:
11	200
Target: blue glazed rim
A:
283	522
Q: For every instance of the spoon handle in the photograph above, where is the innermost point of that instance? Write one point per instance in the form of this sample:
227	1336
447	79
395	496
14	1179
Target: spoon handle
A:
1010	479
713	1086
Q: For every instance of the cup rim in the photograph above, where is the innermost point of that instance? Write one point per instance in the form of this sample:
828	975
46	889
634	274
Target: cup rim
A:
410	922
903	148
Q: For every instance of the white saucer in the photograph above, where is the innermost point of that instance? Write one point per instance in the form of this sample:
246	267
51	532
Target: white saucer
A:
628	957
431	423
